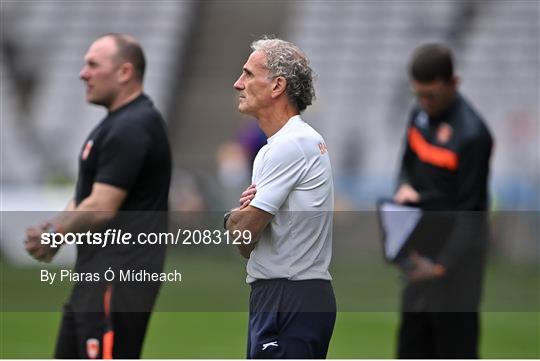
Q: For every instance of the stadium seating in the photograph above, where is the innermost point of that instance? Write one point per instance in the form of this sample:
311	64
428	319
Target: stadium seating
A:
50	40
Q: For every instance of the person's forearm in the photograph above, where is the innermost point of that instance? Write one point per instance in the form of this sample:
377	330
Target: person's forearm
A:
238	222
82	218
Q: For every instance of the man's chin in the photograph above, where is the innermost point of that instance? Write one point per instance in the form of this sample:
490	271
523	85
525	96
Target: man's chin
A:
95	101
241	108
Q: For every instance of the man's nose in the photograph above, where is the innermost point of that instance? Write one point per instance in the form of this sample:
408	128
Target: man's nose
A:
83	74
239	85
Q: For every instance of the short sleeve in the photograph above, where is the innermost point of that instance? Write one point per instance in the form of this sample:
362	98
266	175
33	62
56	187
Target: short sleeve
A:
122	155
281	170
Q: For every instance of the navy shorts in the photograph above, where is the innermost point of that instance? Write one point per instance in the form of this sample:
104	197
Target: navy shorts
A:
290	319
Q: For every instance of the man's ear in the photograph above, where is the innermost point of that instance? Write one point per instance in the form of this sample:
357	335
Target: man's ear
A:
279	85
126	72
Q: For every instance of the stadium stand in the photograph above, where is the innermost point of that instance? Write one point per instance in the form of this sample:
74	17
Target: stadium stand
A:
361	56
359	50
49	39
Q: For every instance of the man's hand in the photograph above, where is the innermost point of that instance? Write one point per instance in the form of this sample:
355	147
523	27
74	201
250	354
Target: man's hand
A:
423	269
406	194
33	245
247	196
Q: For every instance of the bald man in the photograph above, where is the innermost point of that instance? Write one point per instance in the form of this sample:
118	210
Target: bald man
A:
124	165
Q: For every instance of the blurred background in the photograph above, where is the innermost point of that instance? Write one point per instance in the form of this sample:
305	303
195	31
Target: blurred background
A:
195	51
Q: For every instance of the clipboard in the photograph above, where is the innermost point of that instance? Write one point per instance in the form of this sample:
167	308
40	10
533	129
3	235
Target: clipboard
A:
397	223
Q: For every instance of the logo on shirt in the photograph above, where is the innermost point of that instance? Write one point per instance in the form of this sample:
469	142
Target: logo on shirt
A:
444	133
92	348
87	149
266	345
322	148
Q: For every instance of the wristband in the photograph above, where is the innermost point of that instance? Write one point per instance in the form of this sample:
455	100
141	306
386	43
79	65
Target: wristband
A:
226	218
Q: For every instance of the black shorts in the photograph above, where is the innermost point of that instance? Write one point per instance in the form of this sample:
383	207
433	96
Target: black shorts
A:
109	329
290	319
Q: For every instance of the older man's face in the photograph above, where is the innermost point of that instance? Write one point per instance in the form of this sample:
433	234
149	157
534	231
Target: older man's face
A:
100	72
254	85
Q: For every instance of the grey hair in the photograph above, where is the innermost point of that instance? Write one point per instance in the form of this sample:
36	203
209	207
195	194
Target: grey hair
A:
287	60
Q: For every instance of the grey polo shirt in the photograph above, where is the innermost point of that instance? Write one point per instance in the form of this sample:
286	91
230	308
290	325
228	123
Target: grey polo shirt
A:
293	176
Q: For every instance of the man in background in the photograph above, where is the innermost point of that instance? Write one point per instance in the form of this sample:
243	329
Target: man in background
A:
444	171
287	210
124	165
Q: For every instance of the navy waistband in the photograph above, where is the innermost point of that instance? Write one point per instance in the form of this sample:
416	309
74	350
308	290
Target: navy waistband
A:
276	281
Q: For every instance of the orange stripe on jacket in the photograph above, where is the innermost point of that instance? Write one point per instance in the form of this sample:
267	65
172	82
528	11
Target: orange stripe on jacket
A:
428	153
108	337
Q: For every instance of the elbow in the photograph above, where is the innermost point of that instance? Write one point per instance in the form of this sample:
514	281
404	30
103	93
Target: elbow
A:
245	249
97	214
244	253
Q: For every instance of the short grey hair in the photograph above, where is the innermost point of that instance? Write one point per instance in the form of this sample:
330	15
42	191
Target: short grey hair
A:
287	60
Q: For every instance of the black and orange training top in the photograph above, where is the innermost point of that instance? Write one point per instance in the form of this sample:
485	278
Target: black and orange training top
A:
446	159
